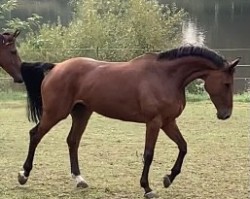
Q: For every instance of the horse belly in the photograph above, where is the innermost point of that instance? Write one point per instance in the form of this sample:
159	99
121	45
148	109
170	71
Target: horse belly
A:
109	93
119	111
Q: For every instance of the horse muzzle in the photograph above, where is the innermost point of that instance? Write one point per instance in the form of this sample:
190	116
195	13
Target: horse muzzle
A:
18	80
224	114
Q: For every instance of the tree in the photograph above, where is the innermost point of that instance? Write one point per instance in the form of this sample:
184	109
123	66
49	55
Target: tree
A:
111	30
9	24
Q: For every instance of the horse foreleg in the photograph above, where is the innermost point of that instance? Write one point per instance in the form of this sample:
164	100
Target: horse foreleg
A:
36	134
152	132
173	132
80	116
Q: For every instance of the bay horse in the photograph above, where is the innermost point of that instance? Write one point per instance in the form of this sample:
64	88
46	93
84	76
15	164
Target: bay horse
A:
148	89
9	57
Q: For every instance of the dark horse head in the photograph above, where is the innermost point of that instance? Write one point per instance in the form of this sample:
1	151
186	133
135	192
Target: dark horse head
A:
214	69
9	58
219	85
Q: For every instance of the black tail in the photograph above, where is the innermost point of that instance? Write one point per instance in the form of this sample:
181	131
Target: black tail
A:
33	75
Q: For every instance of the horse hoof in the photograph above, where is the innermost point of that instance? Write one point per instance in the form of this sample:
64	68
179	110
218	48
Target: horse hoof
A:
82	184
22	179
166	181
150	194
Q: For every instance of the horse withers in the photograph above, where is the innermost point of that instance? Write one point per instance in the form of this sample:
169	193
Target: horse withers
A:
9	58
148	89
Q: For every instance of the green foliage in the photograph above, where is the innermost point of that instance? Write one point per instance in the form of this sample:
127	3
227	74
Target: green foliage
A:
49	44
112	30
9	24
28	25
196	87
192	97
6	7
243	97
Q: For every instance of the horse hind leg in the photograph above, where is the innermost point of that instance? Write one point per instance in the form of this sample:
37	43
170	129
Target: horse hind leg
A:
80	116
47	121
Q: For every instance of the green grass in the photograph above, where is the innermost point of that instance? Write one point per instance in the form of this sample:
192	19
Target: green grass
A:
5	96
216	166
19	95
243	97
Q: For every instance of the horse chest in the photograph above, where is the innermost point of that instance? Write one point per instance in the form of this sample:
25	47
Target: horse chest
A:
173	110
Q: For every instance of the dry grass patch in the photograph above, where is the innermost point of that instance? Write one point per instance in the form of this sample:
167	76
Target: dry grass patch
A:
216	166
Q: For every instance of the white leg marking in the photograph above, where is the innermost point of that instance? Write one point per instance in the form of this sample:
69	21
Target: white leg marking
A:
80	182
150	195
21	173
78	178
22	179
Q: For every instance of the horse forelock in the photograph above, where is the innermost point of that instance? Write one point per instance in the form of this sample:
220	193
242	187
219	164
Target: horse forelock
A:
8	37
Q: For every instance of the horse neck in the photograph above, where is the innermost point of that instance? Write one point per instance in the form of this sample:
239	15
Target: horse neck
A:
185	70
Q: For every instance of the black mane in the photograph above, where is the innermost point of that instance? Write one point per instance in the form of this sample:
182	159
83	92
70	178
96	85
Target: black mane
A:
190	50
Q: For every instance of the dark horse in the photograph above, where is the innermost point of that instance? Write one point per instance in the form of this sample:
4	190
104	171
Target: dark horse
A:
149	89
9	58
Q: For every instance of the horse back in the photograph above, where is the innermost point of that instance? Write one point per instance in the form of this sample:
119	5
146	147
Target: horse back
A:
132	91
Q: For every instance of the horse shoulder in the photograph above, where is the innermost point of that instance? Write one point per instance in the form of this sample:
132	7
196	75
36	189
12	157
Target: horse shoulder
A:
155	101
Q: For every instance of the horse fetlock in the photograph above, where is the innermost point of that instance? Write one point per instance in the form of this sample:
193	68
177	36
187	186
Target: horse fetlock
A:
144	183
22	179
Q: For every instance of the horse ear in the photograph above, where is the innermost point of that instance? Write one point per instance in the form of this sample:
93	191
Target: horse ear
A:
16	33
2	40
234	63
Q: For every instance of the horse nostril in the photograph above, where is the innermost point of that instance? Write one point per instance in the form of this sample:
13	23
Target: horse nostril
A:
18	80
223	115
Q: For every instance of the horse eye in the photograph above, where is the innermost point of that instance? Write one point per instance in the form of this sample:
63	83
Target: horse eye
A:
13	52
227	85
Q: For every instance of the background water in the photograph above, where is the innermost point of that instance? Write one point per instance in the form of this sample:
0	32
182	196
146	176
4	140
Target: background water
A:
222	25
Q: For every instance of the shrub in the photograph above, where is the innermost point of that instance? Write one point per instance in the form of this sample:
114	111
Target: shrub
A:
112	30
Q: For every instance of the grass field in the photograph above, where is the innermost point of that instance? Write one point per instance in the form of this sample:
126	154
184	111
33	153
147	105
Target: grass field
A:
216	166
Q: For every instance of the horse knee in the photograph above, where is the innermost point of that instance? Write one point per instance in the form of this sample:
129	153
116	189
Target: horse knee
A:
35	137
37	133
33	131
143	183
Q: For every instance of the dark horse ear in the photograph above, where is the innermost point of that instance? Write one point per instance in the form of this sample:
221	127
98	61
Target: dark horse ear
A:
16	33
234	63
2	40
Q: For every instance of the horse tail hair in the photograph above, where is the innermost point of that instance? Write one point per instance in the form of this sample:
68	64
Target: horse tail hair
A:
33	75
